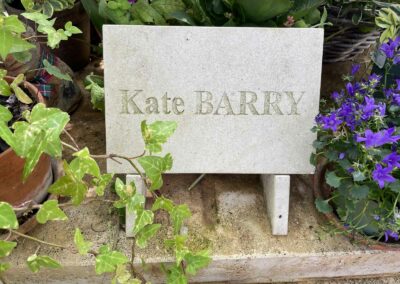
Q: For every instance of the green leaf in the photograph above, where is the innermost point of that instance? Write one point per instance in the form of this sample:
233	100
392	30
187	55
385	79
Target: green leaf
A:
21	95
82	245
395	186
50	212
6	43
5	132
163	203
178	215
95	84
156	134
146	233
134	202
195	262
5	114
8	219
176	276
332	179
262	10
102	182
72	29
107	260
167	7
6	248
359	191
143	218
154	166
182	17
147	14
358	176
36	262
323	206
55	71
23	57
13	24
84	164
4	267
178	244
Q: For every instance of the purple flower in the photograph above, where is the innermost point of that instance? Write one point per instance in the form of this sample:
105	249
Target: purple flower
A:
368	108
352	89
331	121
398	84
132	1
382	175
380	138
381	108
336	96
391	234
392	160
390	47
355	68
350	170
341	156
396	98
374	80
377	217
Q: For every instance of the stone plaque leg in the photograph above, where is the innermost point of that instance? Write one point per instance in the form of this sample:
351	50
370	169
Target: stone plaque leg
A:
276	194
130	216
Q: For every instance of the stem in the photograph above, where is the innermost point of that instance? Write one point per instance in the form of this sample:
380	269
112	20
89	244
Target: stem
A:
71	138
133	270
69	146
36	240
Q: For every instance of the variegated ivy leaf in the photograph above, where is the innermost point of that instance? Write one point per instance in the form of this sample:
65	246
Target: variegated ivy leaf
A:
154	167
143	218
108	260
55	71
129	198
41	134
176	275
69	185
5	132
83	164
8	219
178	215
156	134
36	262
146	233
196	261
82	245
6	248
163	203
50	211
178	245
102	182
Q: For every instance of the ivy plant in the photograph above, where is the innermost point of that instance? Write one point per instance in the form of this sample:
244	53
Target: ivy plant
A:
39	134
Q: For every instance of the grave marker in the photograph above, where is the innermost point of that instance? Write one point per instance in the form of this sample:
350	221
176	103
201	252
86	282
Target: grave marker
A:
244	100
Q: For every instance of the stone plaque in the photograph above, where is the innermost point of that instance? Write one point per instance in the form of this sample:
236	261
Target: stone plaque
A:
244	98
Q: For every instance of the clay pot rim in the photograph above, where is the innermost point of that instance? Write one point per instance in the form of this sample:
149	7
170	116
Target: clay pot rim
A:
318	180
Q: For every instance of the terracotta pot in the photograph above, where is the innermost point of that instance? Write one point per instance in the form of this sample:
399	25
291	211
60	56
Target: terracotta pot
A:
12	189
323	191
76	50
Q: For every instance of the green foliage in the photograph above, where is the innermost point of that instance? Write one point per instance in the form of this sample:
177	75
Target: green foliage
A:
53	70
6	248
389	20
5	132
102	182
11	39
47	7
332	179
154	167
36	262
45	26
82	245
8	219
178	215
108	260
50	211
4	267
156	134
197	261
146	233
122	276
323	206
95	84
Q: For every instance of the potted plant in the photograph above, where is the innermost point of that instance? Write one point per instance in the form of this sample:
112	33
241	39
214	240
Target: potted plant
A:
358	155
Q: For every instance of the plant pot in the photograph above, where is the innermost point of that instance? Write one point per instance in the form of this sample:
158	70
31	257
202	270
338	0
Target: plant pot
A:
344	41
12	189
76	50
323	191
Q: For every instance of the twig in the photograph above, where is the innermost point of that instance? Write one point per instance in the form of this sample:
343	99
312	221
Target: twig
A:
36	240
69	146
71	138
196	182
133	270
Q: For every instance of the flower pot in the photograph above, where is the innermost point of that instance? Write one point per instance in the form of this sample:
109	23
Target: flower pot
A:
12	189
323	191
76	50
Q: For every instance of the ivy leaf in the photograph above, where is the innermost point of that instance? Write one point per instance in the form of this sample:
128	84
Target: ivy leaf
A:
154	166
143	236
8	219
6	248
135	202
195	262
84	164
5	132
143	218
102	182
176	276
71	29
178	244
323	206
13	24
36	262
332	179
163	203
178	215
107	260
55	71
82	245
122	276
5	89
156	134
6	41
95	84
4	267
50	212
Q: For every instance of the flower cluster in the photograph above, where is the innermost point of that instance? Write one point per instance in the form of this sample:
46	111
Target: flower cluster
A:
358	133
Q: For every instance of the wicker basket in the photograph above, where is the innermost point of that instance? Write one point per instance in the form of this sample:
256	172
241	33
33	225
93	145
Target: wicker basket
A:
344	41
